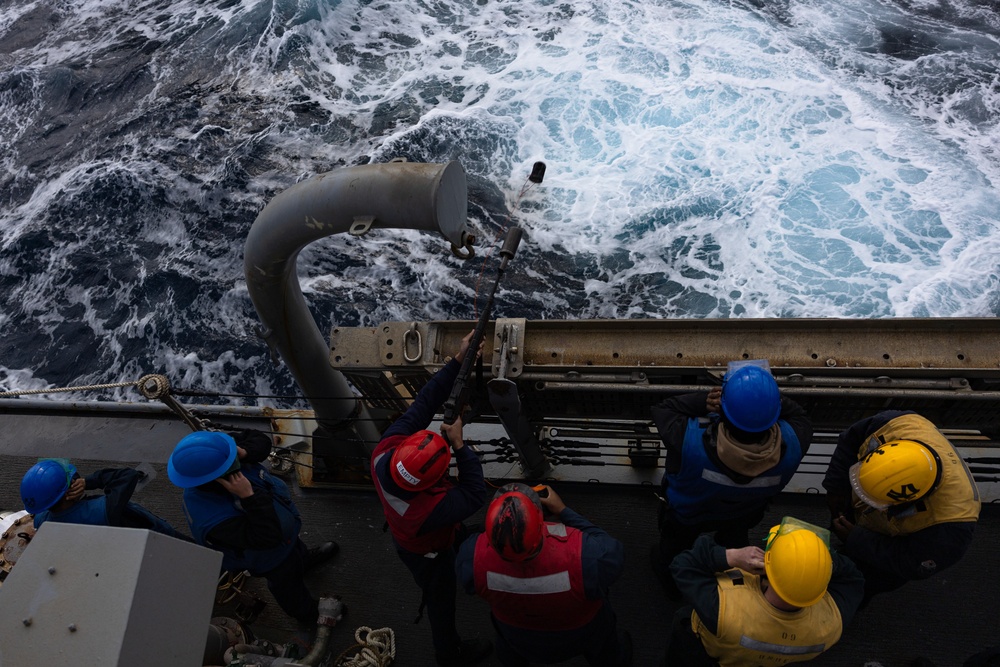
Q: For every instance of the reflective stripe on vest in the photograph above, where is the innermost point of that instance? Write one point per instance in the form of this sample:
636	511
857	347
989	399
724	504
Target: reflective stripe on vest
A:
544	593
752	632
406	517
397	504
549	583
700	491
780	649
755	483
956	497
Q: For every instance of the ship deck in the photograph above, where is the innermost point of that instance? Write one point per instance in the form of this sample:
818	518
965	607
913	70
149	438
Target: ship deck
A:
946	618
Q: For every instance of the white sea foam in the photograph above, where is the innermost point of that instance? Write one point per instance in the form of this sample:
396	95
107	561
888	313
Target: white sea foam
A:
705	159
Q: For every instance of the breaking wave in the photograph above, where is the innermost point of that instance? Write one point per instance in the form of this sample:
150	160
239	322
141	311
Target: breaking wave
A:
705	159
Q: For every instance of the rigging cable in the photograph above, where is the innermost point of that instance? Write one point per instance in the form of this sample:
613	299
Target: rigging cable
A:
529	182
85	387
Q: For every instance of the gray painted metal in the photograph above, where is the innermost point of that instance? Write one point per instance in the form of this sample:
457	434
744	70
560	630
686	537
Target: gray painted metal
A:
44	406
125	432
838	370
116	597
430	197
913	347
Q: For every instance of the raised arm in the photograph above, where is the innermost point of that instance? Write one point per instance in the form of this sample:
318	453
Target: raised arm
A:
671	418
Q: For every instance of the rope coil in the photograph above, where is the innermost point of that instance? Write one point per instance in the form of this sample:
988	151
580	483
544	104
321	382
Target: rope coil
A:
375	648
230	585
153	386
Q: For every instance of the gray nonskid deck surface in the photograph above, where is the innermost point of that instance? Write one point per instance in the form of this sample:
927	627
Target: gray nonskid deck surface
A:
946	618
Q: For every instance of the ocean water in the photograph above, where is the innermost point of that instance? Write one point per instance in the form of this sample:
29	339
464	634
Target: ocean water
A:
706	159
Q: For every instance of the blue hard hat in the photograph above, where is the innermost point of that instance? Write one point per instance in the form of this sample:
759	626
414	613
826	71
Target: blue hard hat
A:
45	484
750	399
201	457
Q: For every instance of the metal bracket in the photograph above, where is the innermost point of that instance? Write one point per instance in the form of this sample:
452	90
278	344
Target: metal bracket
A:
502	349
466	251
401	343
412	334
267	335
361	225
158	387
506	401
508	339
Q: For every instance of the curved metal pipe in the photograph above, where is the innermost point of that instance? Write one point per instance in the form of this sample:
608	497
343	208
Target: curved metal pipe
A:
402	195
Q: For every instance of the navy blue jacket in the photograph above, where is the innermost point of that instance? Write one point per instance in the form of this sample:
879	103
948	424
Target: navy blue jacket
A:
695	572
469	494
673	416
114	508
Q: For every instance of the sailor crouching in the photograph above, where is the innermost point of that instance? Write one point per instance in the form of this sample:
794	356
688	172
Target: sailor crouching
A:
546	583
52	490
901	499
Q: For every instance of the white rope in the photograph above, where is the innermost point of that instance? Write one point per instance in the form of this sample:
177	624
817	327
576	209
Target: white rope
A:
377	649
151	386
85	387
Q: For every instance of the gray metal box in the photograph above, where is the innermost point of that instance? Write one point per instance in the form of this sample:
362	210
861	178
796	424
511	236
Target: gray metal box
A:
96	595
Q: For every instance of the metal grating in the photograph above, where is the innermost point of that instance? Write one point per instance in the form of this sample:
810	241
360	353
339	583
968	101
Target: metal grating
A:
378	391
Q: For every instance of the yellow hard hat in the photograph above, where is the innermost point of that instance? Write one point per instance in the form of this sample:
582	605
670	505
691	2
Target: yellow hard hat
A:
900	471
798	565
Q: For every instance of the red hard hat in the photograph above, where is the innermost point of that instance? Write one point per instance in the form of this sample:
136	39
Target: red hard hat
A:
420	461
515	524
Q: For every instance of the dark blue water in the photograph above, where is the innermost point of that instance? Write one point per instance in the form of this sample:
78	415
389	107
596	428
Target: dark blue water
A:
705	159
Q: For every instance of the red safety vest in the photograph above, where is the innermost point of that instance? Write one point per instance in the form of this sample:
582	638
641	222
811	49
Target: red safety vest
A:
405	517
544	593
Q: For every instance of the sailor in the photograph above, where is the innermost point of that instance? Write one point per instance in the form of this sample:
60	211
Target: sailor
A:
424	509
901	499
235	505
52	490
728	452
546	582
752	607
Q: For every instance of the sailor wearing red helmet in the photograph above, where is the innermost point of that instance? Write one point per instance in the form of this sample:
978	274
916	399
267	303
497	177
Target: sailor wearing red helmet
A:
424	509
546	583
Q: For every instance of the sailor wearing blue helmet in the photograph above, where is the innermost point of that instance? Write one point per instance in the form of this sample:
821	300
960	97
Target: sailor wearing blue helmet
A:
235	505
53	491
728	452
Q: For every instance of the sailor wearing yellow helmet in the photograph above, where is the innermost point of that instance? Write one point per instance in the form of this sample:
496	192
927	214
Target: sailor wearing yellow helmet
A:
901	499
751	606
